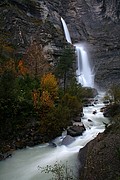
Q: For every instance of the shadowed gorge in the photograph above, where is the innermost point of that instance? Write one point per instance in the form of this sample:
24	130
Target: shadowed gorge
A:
59	89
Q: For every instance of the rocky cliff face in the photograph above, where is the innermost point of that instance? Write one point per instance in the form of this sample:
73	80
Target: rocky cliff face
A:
24	21
100	158
96	21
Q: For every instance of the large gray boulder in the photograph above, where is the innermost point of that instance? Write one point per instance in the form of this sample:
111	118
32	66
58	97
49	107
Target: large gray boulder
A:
76	130
68	140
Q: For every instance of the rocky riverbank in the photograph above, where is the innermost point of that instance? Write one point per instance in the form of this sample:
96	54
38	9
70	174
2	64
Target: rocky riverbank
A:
100	158
28	135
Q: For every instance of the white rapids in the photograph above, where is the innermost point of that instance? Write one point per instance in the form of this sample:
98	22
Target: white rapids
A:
23	165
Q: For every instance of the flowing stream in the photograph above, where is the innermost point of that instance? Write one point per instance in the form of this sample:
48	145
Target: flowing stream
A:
23	165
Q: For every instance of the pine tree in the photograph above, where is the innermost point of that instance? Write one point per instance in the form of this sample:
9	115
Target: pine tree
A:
65	66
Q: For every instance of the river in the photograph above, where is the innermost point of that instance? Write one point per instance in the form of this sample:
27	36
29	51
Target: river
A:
23	165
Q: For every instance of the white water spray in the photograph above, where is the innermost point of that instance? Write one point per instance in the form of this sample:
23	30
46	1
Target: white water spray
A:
66	31
83	72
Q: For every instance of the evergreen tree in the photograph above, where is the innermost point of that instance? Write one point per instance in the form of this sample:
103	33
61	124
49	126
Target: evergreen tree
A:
65	67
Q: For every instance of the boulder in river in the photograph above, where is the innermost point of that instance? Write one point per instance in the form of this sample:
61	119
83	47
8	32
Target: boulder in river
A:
94	112
106	102
76	130
68	140
77	119
89	120
52	144
5	155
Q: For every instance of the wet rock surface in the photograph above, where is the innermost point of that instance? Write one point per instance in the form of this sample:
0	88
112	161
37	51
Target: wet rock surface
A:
76	130
68	140
22	22
98	23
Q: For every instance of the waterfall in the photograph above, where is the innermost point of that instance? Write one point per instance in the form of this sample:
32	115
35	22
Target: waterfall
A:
66	31
84	71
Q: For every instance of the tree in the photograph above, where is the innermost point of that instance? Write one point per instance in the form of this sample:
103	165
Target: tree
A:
37	63
49	84
22	69
65	66
7	101
7	85
114	91
72	103
53	121
46	100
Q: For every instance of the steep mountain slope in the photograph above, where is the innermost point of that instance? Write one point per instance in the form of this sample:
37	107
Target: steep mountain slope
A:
22	22
96	21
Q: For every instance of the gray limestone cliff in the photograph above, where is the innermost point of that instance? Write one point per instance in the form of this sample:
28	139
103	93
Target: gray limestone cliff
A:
96	22
22	22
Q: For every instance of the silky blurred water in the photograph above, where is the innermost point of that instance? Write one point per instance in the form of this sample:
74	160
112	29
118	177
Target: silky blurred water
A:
24	164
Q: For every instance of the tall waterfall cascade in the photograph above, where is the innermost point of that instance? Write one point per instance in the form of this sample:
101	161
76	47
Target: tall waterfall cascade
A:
66	31
84	71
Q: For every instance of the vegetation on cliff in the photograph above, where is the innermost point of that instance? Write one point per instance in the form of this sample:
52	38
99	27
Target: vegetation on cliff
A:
36	104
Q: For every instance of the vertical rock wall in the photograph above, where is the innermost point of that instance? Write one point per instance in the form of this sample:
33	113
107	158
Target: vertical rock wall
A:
96	22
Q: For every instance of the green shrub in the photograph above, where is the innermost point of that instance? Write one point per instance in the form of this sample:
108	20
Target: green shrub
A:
59	171
53	121
80	92
72	103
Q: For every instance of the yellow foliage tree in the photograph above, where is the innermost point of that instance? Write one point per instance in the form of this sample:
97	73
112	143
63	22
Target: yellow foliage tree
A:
46	100
49	84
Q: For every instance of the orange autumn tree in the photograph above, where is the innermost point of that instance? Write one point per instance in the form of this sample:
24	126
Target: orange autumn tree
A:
22	69
49	88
